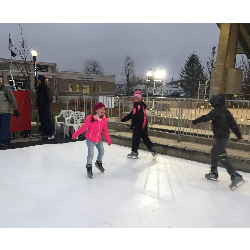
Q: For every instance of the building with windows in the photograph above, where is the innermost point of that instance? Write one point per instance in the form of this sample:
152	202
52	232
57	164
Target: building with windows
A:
62	83
173	86
77	83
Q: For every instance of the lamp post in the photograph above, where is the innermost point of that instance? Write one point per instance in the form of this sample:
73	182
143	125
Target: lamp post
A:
155	76
150	78
34	55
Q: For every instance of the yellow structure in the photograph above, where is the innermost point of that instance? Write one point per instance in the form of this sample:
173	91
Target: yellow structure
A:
234	39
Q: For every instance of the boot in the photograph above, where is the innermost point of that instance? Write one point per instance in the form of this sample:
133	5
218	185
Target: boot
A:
99	166
3	146
89	170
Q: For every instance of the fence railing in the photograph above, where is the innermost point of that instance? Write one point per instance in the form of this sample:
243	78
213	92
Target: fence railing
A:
170	115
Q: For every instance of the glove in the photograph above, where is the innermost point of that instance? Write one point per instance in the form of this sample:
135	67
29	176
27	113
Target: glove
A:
16	113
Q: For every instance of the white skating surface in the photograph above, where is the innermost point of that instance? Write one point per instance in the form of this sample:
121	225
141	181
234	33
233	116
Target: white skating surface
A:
47	187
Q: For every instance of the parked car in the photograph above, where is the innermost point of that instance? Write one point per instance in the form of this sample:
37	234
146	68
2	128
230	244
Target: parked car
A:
144	94
157	94
173	94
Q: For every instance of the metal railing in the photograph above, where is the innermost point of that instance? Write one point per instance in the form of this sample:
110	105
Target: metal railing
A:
170	115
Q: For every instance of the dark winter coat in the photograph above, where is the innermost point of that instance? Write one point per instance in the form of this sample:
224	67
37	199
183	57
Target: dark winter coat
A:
221	118
43	96
138	115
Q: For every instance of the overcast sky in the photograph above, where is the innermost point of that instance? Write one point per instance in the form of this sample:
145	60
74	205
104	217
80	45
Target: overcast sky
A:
154	37
165	46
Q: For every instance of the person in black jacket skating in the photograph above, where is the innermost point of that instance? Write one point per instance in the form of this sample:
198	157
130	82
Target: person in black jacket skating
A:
43	104
139	125
222	120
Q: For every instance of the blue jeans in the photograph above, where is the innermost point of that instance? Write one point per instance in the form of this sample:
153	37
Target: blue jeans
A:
100	148
5	128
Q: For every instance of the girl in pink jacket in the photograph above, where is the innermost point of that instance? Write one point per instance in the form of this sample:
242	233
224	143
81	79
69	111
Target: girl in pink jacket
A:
96	124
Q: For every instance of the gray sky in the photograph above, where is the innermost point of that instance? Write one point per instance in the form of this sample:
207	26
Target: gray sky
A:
158	34
151	45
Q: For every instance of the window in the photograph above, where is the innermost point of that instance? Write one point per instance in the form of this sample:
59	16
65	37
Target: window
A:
85	89
70	86
77	87
93	88
100	88
42	68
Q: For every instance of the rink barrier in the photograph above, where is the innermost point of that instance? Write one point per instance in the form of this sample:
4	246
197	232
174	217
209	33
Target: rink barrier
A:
186	138
240	164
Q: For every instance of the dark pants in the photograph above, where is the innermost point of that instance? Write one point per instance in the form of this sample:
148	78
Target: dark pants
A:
5	128
45	119
218	153
137	136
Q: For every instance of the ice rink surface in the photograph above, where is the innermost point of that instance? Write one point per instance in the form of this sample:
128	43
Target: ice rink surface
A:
46	186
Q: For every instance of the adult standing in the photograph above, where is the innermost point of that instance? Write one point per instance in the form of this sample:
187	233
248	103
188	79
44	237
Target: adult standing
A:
43	103
7	103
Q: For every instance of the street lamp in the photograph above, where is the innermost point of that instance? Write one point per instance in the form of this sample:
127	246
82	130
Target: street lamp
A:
34	54
155	76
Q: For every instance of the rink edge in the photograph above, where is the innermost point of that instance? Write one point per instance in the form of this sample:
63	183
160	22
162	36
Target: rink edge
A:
240	164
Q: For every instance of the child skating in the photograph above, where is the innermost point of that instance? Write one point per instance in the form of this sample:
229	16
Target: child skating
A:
96	125
139	125
222	120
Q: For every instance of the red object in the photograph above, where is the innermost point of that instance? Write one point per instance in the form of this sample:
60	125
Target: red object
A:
98	106
23	122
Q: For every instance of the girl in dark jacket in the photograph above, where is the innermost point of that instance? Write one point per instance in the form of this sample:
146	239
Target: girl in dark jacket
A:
139	125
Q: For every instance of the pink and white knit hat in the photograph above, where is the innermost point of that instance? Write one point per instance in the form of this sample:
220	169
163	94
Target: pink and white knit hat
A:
138	94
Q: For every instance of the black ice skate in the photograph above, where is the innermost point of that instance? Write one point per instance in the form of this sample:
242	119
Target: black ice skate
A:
99	166
153	152
212	175
133	155
236	178
89	171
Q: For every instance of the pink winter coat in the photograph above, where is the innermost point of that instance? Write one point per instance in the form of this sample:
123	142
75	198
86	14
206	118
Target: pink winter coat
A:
94	129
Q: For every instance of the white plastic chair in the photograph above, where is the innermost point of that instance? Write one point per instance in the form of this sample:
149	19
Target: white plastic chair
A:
64	114
77	118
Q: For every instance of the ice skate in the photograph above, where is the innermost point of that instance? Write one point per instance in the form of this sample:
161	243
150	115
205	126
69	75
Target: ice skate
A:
133	155
212	175
236	178
153	152
90	174
89	171
99	166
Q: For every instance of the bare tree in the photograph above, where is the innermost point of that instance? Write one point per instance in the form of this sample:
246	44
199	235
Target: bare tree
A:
140	80
91	66
211	62
245	65
129	73
23	51
210	66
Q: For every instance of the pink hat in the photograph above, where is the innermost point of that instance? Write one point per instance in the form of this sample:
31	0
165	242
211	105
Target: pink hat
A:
138	94
98	106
